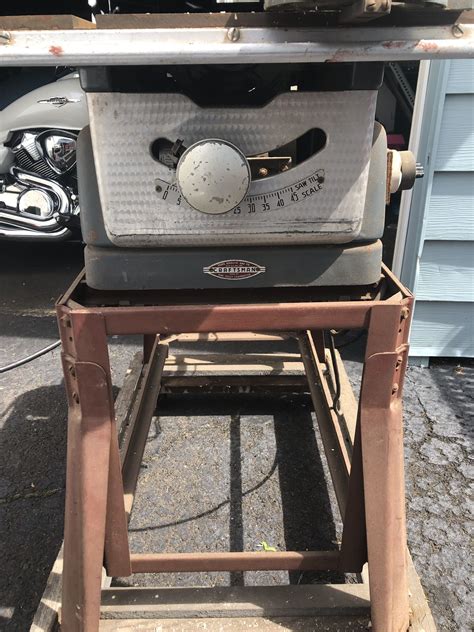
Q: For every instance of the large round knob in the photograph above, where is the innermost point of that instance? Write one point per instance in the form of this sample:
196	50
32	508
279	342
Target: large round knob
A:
213	176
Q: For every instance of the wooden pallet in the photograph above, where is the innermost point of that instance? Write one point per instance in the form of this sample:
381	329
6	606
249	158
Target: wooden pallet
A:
309	608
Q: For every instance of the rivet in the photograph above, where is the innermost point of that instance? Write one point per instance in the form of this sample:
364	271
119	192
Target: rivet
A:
263	171
399	362
457	31
5	37
394	389
75	398
405	313
72	371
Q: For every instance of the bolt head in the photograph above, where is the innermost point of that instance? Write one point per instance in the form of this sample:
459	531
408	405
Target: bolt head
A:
233	34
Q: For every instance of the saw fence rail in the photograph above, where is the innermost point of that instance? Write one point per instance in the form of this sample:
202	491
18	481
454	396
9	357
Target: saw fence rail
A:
231	38
363	448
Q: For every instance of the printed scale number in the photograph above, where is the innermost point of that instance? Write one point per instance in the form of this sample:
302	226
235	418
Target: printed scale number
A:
263	202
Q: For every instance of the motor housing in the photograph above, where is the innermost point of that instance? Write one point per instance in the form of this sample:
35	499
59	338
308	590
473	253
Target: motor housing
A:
304	202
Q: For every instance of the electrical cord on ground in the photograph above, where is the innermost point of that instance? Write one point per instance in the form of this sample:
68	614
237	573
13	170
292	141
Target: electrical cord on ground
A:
33	356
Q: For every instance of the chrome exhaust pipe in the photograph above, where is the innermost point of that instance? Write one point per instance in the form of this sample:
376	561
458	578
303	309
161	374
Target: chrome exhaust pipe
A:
7	232
29	222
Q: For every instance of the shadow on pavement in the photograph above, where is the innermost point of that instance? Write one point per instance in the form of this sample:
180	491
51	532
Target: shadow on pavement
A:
32	475
295	470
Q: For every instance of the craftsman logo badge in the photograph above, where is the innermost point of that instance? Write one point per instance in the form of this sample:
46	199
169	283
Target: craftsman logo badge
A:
58	102
234	270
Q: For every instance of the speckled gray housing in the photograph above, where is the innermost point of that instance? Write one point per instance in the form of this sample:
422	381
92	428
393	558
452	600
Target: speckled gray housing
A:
124	125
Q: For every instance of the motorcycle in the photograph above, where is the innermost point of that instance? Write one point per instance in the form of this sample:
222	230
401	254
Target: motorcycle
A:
38	180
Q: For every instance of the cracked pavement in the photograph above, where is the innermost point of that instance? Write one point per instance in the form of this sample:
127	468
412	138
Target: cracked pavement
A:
439	407
438	438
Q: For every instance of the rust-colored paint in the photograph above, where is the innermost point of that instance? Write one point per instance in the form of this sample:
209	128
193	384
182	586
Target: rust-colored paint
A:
95	525
57	51
235	561
429	47
394	44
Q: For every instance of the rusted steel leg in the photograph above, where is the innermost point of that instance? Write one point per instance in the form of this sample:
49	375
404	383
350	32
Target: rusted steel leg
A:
319	344
134	442
91	428
117	552
382	463
331	435
354	538
148	342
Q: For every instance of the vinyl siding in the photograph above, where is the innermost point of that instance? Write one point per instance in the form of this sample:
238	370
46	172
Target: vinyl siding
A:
443	329
461	77
456	140
446	271
439	260
450	208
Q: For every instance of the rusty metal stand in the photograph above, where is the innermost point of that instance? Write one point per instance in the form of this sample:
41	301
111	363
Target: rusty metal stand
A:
103	464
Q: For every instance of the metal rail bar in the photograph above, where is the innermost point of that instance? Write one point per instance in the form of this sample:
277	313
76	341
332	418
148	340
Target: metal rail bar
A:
225	383
333	441
234	317
83	47
135	438
247	561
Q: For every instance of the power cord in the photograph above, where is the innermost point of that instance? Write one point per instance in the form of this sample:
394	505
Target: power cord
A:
31	357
